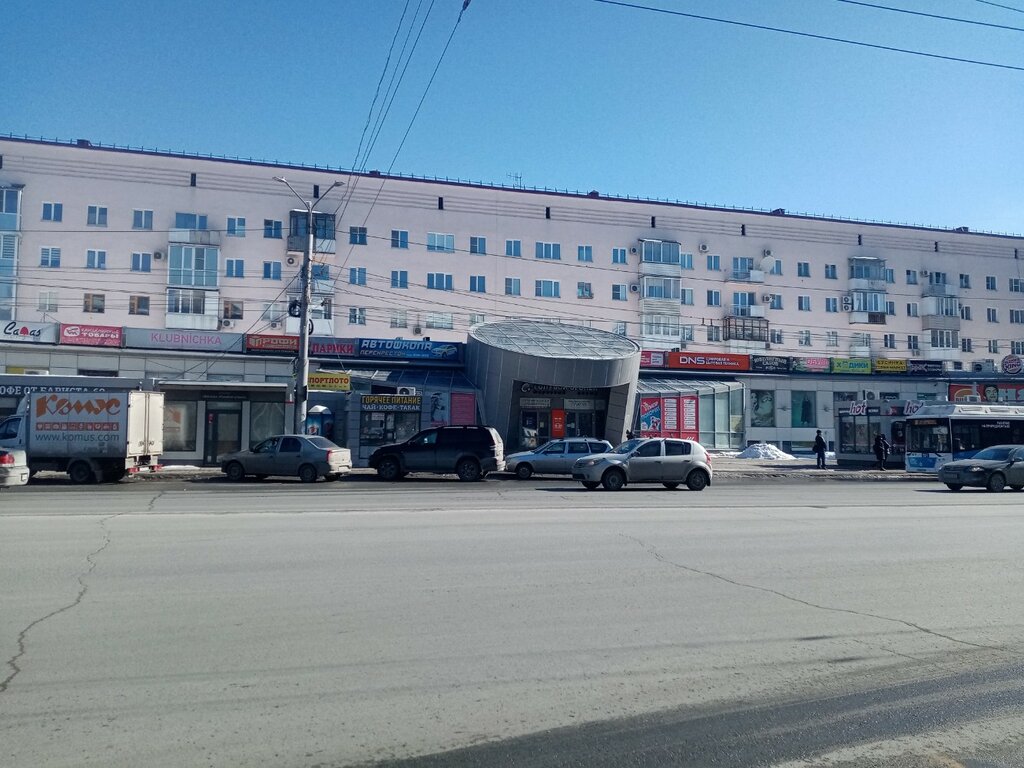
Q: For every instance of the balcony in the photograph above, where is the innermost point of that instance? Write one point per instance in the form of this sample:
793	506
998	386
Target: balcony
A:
658	269
194	236
933	322
10	222
747	276
868	318
297	244
659	306
871	285
940	290
860	350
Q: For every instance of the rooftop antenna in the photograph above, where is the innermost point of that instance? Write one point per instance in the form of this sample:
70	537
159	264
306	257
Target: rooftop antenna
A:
517	179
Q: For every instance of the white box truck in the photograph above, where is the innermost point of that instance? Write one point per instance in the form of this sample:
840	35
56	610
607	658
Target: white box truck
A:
93	436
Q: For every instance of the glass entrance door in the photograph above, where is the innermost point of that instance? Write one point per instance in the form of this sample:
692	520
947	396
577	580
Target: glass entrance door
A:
534	429
223	430
579	424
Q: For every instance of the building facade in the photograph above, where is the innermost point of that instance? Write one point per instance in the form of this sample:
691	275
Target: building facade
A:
170	248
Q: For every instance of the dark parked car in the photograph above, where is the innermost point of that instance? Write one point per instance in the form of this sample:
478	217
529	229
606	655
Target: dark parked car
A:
555	457
993	468
306	456
470	452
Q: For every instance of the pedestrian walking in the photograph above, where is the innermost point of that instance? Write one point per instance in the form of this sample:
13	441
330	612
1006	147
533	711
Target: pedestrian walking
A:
882	449
819	449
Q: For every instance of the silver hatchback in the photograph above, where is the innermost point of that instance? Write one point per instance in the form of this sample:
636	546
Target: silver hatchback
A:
664	460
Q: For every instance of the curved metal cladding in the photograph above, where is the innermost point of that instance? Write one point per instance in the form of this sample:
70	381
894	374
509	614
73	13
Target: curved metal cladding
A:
502	356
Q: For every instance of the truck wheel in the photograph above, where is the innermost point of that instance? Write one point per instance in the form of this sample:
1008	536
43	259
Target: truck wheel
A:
81	473
308	473
235	472
468	470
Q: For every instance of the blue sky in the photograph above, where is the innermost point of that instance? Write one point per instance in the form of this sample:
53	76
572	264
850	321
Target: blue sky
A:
568	94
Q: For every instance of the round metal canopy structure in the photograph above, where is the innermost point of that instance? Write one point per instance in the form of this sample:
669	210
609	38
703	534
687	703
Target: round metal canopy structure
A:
554	340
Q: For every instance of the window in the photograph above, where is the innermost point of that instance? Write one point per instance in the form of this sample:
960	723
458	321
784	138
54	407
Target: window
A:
271	270
442	243
714	333
1017	347
142	262
189	221
803	303
95	259
53	211
965	313
741	267
912	309
400	239
803	269
831	338
803	338
947	307
478	244
584	291
357	235
138	305
47	301
440	320
937	278
618	255
911	277
714	262
660	325
686	333
992	315
993	346
890	308
686	296
357	275
142	219
831	304
514	248
944	339
965	281
549	251
775	336
399	278
889	340
990	283
477	284
547	289
584	253
357	316
475	318
660	252
49	257
323	226
1016	285
831	272
776	301
619	327
272	229
1017	316
439	281
714	298
236	226
860	340
686	261
742	301
912	342
181	301
512	286
234	268
620	291
94	302
661	287
232	310
192	265
273	313
97	216
967	345
399	318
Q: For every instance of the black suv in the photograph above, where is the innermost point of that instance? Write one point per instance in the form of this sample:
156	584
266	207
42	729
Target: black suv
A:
469	452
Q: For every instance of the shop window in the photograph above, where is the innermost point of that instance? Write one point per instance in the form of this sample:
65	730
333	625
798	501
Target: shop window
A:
380	428
265	420
179	426
803	409
762	408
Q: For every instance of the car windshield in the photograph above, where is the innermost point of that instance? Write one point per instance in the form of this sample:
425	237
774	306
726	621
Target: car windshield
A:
995	453
628	447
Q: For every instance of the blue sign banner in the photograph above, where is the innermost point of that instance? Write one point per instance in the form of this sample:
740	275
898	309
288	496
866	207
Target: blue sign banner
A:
410	349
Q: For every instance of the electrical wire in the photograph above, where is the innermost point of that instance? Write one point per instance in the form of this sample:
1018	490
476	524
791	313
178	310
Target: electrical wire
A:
931	15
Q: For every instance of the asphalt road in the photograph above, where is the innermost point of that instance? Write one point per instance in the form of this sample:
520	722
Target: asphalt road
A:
433	623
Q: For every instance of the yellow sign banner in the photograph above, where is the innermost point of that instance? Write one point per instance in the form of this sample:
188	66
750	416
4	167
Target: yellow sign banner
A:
330	382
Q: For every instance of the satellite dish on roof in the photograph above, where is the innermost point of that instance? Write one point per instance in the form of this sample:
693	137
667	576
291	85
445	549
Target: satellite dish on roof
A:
767	263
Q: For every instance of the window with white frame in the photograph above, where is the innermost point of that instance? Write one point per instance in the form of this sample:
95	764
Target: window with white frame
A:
686	296
661	325
775	336
912	309
776	301
992	315
234	268
192	265
912	342
512	286
399	278
236	226
965	280
803	338
714	332
53	211
947	306
440	320
357	275
686	333
911	277
441	242
49	257
945	339
478	284
273	312
478	244
965	312
1016	316
186	301
584	253
686	261
990	283
96	216
584	291
440	281
47	301
890	308
399	318
803	303
1016	285
714	298
803	269
548	251
890	276
514	248
831	338
620	292
966	345
714	262
776	267
357	315
831	304
619	327
357	235
938	278
1017	347
831	272
271	270
993	346
661	287
272	229
95	259
400	239
475	318
618	255
659	252
142	218
547	289
889	340
860	339
142	262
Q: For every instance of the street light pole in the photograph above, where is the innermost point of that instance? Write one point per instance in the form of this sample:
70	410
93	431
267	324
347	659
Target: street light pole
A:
305	297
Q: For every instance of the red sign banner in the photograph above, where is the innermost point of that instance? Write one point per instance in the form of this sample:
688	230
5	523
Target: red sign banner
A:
557	422
265	342
92	335
652	359
709	361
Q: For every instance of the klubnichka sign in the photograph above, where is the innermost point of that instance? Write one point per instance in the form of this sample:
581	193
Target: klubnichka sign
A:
391	402
201	341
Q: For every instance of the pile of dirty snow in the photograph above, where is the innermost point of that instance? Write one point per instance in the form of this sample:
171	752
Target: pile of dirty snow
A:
764	451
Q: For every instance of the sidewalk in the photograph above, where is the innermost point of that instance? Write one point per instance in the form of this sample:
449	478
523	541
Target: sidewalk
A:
803	468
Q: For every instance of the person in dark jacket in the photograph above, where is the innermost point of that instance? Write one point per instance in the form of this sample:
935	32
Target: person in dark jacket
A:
819	449
881	450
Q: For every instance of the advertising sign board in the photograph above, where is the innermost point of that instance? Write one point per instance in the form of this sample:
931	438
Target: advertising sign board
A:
409	349
201	341
768	364
29	333
91	335
711	361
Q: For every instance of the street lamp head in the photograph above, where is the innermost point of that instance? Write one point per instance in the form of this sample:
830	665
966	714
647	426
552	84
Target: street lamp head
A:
282	179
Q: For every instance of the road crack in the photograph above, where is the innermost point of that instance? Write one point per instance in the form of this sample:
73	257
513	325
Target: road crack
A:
768	590
83	588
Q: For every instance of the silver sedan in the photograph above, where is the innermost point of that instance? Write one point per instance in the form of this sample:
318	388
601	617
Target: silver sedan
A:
307	456
556	457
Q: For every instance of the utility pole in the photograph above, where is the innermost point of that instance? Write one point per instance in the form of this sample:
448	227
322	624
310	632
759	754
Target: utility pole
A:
305	297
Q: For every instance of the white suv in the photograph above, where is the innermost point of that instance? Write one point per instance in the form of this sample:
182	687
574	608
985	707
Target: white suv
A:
664	460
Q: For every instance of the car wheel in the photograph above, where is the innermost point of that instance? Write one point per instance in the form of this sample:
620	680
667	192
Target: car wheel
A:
613	480
235	472
590	484
468	470
996	483
671	486
389	469
954	486
308	473
81	473
698	480
523	471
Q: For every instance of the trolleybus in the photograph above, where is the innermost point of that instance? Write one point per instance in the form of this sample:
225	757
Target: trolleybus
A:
944	432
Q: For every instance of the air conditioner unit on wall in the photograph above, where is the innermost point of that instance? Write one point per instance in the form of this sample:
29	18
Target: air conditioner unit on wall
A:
633	249
291	261
417	330
226	324
157	255
406	391
703	247
634	288
847	303
767	252
768	298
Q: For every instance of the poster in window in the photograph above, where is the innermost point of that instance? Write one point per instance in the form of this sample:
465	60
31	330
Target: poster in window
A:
762	408
438	409
803	405
179	426
670	416
650	415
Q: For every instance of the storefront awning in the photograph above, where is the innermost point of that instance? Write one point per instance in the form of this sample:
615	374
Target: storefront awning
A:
667	386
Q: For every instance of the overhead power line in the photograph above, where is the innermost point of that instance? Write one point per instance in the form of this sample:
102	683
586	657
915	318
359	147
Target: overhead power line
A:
1000	5
828	38
932	15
